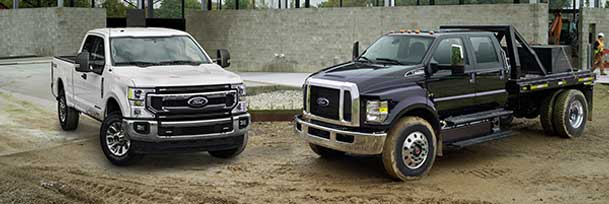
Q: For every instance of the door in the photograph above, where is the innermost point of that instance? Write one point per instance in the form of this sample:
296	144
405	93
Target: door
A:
449	84
490	72
88	85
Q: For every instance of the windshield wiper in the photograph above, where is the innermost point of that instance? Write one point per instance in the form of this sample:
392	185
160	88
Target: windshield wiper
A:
137	63
393	61
179	62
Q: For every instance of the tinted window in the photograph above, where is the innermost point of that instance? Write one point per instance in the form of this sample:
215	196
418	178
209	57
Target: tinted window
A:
442	54
95	46
484	50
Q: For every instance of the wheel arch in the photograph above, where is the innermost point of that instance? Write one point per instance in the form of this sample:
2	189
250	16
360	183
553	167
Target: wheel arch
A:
428	114
112	105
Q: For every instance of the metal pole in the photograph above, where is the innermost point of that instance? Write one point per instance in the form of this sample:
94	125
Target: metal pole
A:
92	3
297	4
183	9
150	9
340	3
140	4
307	3
236	4
279	4
59	3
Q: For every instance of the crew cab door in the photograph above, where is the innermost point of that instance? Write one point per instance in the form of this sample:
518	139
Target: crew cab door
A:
449	84
87	85
490	70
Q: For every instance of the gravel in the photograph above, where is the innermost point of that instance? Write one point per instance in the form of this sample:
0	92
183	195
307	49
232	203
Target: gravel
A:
276	100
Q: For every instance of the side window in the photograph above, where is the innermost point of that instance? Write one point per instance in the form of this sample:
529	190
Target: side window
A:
97	52
484	50
442	54
89	43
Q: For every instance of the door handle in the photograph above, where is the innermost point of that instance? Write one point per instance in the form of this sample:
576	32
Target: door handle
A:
472	77
84	76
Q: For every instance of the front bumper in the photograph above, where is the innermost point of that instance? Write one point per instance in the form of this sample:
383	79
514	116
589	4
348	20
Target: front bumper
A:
346	141
152	136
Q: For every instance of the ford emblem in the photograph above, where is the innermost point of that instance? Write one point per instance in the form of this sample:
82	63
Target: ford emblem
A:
197	101
324	102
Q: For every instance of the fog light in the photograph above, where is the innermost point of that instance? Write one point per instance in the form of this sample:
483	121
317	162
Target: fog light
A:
243	123
141	127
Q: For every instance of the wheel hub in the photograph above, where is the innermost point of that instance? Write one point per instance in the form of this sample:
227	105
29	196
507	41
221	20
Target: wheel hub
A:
576	114
116	140
62	110
415	150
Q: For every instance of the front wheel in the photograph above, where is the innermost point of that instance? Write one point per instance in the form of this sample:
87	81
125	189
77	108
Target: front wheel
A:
410	149
230	153
115	142
570	113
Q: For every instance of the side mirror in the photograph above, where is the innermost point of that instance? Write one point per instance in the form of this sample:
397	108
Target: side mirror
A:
355	53
82	62
456	55
223	58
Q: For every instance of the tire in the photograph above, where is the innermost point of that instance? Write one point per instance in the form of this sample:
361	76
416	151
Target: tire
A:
420	136
68	116
506	121
325	152
570	114
112	132
545	117
230	153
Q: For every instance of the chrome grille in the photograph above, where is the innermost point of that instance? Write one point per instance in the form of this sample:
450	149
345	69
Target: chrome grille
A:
177	103
343	102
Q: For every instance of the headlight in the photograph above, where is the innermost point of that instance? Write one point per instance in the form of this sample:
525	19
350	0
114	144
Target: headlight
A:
137	101
241	106
376	111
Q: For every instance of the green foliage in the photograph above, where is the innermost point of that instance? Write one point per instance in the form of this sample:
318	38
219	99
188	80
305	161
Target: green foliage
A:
173	8
231	4
115	8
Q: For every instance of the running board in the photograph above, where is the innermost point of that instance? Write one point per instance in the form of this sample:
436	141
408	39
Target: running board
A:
478	140
463	119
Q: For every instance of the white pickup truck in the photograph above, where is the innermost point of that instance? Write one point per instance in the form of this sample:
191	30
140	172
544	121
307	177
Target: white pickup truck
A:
154	90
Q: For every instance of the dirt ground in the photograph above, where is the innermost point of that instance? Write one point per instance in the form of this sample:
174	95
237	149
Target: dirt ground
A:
39	163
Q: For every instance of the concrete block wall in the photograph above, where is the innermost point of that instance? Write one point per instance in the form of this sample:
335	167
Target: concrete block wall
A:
599	17
306	40
46	31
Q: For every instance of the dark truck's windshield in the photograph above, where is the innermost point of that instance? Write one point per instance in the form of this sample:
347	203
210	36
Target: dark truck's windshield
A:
398	49
151	51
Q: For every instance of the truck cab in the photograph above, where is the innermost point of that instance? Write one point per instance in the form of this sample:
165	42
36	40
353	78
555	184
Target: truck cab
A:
413	93
154	90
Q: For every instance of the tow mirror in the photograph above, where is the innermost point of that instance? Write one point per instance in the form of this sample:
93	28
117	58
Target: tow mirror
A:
82	62
355	53
223	58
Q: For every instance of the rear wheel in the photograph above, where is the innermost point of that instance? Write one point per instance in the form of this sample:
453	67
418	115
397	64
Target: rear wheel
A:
115	142
410	149
230	153
547	108
68	116
570	113
325	152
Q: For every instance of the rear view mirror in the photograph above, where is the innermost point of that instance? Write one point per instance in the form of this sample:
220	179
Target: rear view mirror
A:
82	62
355	51
223	58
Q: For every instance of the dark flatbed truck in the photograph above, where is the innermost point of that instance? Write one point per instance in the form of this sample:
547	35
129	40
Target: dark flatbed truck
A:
412	94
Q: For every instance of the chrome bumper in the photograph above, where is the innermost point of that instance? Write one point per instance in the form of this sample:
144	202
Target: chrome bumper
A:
363	143
153	136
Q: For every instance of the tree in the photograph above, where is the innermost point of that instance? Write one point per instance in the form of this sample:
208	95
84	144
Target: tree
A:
173	8
230	4
115	8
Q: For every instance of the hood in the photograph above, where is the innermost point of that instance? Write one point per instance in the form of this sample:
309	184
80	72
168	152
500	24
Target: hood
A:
176	75
373	77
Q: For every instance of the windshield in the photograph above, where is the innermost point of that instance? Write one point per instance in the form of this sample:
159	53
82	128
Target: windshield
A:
150	51
398	49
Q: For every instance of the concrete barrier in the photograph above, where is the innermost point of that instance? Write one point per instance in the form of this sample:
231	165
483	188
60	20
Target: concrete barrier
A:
46	31
306	40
